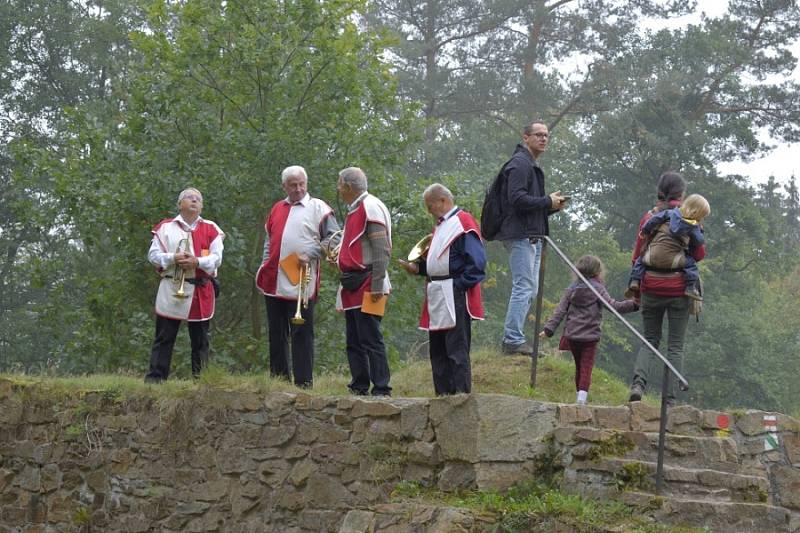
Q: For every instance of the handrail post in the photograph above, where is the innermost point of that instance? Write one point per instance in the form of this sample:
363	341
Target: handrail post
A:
537	323
662	430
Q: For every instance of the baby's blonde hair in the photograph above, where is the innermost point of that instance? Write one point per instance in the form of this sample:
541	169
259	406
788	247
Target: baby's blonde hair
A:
695	207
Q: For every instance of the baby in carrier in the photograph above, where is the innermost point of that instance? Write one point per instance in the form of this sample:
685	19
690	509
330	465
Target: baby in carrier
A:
673	235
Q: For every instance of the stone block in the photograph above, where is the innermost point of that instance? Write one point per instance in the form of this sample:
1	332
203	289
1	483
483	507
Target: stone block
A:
274	472
418	473
312	520
500	476
329	433
191	508
97	480
414	420
357	521
787	482
644	417
457	476
29	479
278	404
613	417
490	427
791	442
570	415
426	453
6	479
343	453
374	408
210	491
50	478
324	492
301	471
751	423
277	436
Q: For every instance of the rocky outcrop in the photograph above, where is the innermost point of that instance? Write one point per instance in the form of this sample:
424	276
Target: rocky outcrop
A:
231	461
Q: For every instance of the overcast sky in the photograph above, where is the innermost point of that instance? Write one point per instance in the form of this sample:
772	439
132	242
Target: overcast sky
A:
784	160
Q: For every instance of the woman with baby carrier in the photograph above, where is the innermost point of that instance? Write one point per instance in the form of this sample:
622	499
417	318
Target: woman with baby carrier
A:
662	292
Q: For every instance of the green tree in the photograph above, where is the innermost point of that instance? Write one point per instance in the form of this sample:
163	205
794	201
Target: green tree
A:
224	97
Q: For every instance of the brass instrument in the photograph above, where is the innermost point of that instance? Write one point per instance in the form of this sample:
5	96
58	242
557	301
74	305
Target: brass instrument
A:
419	252
302	294
332	251
179	274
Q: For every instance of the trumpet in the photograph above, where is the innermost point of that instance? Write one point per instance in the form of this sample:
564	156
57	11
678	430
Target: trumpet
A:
179	274
419	252
302	295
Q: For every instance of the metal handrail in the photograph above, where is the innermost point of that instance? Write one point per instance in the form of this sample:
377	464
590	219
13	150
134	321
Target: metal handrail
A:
667	365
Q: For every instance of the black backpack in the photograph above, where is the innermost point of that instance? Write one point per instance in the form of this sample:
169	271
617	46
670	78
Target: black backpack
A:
492	211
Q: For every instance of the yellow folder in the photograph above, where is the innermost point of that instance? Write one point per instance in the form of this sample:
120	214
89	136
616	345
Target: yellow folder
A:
373	308
291	267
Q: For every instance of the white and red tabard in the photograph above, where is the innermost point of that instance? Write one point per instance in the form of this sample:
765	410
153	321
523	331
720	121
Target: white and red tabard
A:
199	303
291	229
351	257
438	309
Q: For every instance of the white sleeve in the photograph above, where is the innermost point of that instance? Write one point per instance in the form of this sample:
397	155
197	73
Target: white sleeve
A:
158	257
213	260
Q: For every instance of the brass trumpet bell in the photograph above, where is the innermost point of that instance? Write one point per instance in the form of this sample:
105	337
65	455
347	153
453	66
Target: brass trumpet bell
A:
420	250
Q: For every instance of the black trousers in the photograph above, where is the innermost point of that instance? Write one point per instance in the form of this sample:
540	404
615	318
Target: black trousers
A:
161	353
366	354
449	352
279	314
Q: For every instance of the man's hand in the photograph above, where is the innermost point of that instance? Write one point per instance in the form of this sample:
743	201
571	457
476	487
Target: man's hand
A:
557	200
542	334
411	268
186	261
303	259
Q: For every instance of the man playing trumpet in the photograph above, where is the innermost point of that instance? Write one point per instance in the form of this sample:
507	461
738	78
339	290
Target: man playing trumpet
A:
186	251
298	229
454	266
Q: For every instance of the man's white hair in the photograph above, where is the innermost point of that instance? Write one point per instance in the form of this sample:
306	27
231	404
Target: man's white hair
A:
294	170
437	190
186	192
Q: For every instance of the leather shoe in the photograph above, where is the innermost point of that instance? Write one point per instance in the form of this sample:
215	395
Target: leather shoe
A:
523	349
636	393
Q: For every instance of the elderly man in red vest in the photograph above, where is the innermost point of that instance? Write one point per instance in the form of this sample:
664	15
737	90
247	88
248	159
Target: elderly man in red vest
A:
301	225
186	251
363	260
454	266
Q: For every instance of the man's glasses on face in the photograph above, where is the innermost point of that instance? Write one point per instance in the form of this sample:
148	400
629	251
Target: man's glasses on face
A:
541	135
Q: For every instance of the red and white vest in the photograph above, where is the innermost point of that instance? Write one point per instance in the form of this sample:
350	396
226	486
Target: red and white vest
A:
199	303
438	309
370	209
291	229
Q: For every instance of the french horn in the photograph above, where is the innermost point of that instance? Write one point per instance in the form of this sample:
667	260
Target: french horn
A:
419	252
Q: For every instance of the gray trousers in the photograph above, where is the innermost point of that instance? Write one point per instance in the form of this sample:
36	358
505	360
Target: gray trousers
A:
676	308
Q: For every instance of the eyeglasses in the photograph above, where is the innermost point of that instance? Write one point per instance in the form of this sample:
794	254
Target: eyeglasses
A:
192	197
541	135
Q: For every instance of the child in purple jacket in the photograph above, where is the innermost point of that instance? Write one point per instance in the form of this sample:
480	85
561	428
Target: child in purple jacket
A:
584	313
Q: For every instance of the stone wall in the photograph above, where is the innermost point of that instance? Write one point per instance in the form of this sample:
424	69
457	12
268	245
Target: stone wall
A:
231	461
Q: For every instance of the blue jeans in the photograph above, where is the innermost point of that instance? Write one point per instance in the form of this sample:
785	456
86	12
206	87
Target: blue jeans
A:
524	259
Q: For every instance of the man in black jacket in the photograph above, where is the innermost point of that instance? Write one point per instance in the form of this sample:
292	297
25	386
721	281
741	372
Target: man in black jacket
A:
525	211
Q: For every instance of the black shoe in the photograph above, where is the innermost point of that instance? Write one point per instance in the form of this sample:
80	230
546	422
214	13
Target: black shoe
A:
513	349
636	393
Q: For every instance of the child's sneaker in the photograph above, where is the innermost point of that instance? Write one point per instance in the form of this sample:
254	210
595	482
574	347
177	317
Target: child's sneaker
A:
633	289
581	397
692	292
